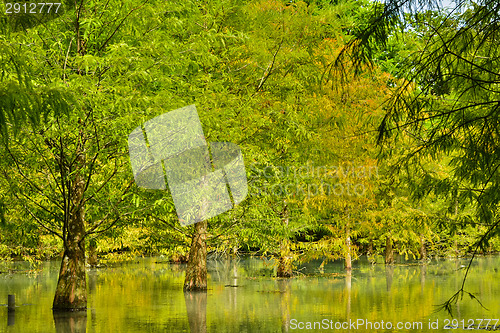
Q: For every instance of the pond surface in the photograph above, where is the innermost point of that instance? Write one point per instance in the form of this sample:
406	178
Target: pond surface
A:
146	296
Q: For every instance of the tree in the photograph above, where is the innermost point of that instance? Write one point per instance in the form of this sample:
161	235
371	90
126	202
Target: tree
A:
447	103
56	174
69	173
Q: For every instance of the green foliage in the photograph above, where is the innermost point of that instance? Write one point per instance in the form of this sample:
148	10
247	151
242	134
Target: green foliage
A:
257	72
23	99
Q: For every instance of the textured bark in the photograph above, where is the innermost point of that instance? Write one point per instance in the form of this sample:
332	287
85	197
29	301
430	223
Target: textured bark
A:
196	272
389	252
284	261
71	291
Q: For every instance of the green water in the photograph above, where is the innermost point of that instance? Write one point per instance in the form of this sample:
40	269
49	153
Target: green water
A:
146	296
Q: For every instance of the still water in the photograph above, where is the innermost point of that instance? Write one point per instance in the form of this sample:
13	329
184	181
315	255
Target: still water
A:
146	296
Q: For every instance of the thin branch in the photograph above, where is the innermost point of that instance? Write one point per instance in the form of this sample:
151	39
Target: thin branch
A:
269	69
119	25
66	61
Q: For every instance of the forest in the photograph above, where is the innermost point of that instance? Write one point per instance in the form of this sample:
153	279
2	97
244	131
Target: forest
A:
366	129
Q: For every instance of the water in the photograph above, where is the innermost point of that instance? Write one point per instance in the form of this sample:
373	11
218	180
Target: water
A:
146	296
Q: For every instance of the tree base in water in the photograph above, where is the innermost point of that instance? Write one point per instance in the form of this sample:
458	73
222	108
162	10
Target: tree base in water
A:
196	272
71	292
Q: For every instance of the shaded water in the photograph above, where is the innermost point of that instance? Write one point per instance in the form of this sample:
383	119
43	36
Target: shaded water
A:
146	296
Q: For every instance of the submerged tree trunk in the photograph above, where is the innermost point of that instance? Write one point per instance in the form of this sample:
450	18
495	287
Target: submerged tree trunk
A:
389	252
284	261
196	272
71	291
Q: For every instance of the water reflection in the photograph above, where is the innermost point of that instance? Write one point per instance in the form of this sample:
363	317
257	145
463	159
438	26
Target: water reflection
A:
389	276
11	318
147	296
284	288
348	288
196	307
70	322
423	272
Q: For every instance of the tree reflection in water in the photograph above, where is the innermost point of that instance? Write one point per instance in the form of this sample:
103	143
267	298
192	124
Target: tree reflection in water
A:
196	306
284	286
70	321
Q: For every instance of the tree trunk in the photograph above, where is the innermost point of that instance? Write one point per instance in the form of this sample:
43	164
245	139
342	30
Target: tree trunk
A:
348	259
370	247
71	291
196	272
92	259
423	252
348	245
285	256
389	252
284	261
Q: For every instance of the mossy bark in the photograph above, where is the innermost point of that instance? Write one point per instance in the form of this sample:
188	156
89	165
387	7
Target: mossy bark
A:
71	291
196	272
284	261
